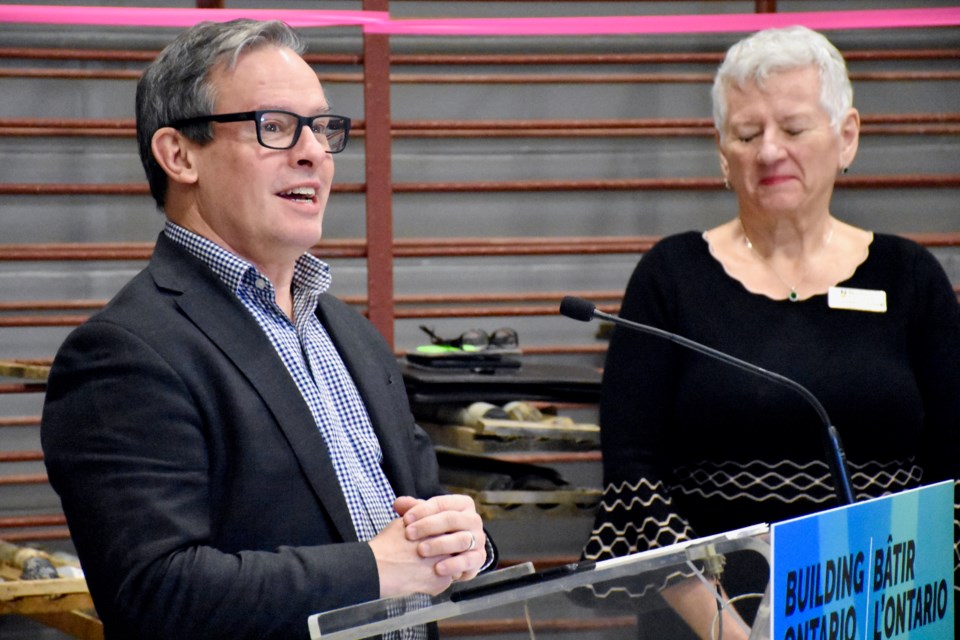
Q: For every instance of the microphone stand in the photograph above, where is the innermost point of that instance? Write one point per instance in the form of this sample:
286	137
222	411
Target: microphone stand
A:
580	309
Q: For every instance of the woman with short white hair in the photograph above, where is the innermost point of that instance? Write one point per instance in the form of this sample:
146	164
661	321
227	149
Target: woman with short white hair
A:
868	322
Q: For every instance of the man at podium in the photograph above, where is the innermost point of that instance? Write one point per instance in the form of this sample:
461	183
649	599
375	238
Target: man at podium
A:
234	447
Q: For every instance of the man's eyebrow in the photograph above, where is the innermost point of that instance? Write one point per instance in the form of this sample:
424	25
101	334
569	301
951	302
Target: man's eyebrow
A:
277	107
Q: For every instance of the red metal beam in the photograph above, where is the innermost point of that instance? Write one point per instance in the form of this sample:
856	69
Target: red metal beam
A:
379	178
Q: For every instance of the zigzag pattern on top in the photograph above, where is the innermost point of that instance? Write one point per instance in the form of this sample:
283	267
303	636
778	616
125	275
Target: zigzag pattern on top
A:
788	482
609	541
620	533
635	590
635	516
654	492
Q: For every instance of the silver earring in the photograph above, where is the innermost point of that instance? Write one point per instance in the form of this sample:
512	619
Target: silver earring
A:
726	184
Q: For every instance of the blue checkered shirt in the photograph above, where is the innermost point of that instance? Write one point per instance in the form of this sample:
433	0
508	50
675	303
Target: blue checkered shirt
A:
317	369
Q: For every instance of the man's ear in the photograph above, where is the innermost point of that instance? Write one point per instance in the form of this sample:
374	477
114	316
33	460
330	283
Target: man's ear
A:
174	153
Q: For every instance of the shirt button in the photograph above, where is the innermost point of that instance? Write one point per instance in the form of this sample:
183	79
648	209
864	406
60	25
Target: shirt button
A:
260	284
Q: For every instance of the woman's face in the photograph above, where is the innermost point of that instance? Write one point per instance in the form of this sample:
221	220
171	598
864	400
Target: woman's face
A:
778	149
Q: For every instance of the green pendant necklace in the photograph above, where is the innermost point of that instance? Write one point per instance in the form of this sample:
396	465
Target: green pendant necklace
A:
792	296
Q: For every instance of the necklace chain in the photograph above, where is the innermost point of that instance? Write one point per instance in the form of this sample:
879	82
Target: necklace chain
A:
792	296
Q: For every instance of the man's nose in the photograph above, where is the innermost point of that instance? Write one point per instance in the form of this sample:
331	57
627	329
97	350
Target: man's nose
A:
311	147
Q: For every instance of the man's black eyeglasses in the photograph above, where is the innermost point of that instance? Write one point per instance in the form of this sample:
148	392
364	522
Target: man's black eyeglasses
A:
281	129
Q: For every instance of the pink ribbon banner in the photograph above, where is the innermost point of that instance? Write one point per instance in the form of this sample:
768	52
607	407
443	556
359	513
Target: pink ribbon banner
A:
381	23
719	23
167	17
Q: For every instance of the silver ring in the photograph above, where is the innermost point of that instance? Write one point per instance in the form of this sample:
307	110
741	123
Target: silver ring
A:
473	541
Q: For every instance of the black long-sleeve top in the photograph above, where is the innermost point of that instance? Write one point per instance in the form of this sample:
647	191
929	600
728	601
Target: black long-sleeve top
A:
693	446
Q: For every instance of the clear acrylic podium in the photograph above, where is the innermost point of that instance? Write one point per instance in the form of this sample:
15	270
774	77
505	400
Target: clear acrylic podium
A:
562	602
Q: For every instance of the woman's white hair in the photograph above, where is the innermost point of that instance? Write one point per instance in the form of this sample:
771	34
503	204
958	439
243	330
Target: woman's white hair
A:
774	50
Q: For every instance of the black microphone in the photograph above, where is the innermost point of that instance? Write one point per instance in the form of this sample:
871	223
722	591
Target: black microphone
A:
583	310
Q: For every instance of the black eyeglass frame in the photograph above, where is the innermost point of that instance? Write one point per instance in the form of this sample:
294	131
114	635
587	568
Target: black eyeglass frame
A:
244	116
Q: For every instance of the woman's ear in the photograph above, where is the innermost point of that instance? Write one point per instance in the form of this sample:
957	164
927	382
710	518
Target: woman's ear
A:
174	153
724	168
849	138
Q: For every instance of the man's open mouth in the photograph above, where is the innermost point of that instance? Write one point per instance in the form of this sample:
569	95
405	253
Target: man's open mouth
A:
300	194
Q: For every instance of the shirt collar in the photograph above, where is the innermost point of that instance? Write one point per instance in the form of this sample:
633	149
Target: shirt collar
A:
311	275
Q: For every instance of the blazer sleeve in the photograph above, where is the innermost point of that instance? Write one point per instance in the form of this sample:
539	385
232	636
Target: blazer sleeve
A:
154	512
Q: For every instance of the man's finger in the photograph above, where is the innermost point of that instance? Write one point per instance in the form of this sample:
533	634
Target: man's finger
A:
438	504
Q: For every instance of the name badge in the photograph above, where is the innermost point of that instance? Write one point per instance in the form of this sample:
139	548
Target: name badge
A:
872	300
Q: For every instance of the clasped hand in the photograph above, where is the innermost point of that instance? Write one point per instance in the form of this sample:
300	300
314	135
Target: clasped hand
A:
432	544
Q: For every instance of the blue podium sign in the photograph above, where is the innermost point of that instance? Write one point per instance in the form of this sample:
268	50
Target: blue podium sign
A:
874	570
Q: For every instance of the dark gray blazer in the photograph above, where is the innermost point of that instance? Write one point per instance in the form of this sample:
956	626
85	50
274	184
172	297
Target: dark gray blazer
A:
197	488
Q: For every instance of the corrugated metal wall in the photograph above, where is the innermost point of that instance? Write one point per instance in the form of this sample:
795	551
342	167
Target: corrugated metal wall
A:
630	179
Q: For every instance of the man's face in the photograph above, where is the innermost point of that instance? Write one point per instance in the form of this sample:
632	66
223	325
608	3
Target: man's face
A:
265	205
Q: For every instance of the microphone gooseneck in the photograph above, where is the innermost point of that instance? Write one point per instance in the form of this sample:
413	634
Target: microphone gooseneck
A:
584	311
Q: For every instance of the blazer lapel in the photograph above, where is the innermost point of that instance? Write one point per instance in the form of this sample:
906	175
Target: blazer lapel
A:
227	323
